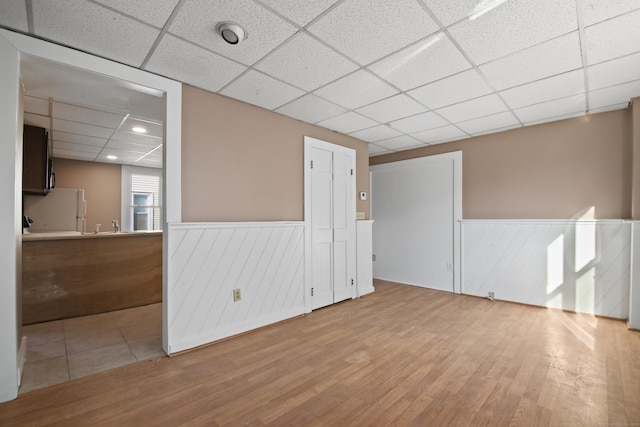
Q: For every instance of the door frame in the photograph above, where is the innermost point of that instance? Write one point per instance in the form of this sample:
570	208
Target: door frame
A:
310	143
171	172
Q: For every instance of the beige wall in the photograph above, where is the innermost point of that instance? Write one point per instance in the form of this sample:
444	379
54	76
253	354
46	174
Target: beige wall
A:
102	185
244	163
548	171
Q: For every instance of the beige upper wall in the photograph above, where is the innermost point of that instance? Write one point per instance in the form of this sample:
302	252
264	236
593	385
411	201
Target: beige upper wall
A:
102	185
244	163
554	170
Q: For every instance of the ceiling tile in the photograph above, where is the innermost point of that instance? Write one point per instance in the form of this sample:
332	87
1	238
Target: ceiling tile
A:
600	10
311	109
614	94
544	60
620	106
86	115
357	89
451	90
561	86
259	89
391	24
419	122
347	122
514	25
613	38
424	62
69	146
36	105
376	150
197	19
154	12
306	63
13	14
73	154
129	147
300	12
81	128
450	11
402	142
392	108
36	120
616	71
489	123
153	129
123	156
375	133
78	139
153	163
559	107
93	28
442	134
472	109
191	64
136	138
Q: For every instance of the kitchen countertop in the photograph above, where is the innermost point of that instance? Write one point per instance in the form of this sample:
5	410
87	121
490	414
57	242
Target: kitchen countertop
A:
74	235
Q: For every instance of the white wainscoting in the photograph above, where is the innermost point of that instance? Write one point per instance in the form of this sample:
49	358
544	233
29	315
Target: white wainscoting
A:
207	261
582	266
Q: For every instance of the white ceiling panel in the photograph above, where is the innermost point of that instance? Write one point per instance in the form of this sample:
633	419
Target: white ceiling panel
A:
73	154
14	15
78	139
311	109
197	19
392	108
300	12
419	122
357	89
544	60
614	95
451	90
400	143
81	128
69	146
261	90
620	106
561	86
613	38
490	123
348	122
153	129
450	11
445	133
479	107
127	146
37	120
508	27
616	71
600	10
154	12
306	63
136	138
392	24
421	63
376	133
86	115
192	64
93	28
36	105
376	150
559	107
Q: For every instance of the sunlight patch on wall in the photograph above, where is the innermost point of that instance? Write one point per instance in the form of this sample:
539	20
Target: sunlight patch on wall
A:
585	240
555	269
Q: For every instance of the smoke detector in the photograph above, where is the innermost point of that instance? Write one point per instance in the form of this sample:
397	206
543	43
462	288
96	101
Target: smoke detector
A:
231	32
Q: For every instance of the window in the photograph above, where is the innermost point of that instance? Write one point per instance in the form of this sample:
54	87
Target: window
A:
141	199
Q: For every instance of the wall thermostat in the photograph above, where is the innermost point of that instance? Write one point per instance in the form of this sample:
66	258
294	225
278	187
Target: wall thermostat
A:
363	195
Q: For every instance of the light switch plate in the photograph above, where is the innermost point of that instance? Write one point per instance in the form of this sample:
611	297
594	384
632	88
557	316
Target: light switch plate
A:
359	215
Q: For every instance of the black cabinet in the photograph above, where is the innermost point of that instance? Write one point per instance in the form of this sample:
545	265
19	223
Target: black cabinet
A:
37	174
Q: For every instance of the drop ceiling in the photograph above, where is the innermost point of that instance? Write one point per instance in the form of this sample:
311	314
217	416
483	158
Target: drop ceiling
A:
398	74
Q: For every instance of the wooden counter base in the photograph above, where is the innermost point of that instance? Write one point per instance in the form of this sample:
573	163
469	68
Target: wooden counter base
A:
76	277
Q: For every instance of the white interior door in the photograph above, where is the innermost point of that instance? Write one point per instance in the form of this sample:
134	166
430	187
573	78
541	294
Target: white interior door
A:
330	218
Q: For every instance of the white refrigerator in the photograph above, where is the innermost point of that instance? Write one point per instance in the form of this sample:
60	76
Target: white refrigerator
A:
63	209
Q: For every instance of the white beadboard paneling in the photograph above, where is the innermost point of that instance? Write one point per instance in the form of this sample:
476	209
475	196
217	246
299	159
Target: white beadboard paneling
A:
264	260
364	243
572	265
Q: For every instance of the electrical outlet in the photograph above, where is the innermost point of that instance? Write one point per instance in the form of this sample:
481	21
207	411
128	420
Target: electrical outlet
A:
490	295
449	266
236	295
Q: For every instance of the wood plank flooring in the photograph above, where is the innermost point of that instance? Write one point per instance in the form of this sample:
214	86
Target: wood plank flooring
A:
401	356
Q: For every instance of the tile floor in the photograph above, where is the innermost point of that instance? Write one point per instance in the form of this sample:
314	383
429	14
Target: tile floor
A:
64	350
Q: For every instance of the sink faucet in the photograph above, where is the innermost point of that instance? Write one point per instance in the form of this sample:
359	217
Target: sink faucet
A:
116	226
98	228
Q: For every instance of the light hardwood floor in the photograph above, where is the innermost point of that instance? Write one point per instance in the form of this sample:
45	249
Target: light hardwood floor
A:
401	356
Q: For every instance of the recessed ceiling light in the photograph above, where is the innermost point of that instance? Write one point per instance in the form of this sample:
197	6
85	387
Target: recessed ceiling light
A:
231	32
112	157
139	129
